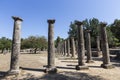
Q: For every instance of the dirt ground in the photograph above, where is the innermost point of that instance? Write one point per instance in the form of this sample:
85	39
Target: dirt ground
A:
32	69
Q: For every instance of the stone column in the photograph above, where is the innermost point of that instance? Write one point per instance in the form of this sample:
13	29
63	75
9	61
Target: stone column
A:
68	47
105	47
58	48
76	45
98	45
72	47
65	50
62	48
81	49
88	47
51	49
14	65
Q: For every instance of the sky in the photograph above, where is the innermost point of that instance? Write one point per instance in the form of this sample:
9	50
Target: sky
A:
35	14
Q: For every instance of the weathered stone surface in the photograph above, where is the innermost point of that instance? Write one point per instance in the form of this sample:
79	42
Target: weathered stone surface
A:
88	47
81	49
83	67
68	47
98	46
14	65
51	48
72	47
65	48
98	43
51	70
107	66
105	47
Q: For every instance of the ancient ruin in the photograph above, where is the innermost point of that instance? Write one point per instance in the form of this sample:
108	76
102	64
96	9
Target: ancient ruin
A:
81	49
105	47
14	65
51	49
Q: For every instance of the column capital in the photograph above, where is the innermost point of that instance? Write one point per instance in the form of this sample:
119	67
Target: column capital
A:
103	24
78	22
51	21
16	18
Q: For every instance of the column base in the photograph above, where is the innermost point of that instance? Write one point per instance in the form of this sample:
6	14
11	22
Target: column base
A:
78	67
13	72
51	70
107	66
89	61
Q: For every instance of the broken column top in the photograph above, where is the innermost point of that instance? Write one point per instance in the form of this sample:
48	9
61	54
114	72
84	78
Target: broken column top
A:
78	22
51	21
103	24
16	18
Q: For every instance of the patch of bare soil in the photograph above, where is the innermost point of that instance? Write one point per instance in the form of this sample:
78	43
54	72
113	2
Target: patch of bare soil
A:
32	69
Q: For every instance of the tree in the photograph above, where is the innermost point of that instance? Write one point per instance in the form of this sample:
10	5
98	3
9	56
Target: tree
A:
112	40
93	25
5	43
34	42
73	30
115	28
113	33
57	41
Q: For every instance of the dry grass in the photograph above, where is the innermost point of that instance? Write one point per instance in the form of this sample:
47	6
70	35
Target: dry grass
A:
32	69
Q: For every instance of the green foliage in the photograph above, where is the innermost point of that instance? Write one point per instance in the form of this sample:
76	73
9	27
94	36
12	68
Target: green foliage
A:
115	31
58	40
5	43
110	37
115	28
34	42
93	24
73	30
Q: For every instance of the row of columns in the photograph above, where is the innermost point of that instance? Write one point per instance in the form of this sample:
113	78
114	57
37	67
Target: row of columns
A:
14	65
81	51
67	48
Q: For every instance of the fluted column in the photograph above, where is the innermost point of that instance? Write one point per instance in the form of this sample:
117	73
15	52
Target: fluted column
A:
98	45
105	47
51	49
81	49
88	47
76	45
65	49
68	47
58	48
72	47
62	48
14	65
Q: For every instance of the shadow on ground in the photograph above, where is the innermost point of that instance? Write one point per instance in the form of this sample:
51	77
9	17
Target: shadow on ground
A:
70	76
2	73
97	58
62	76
